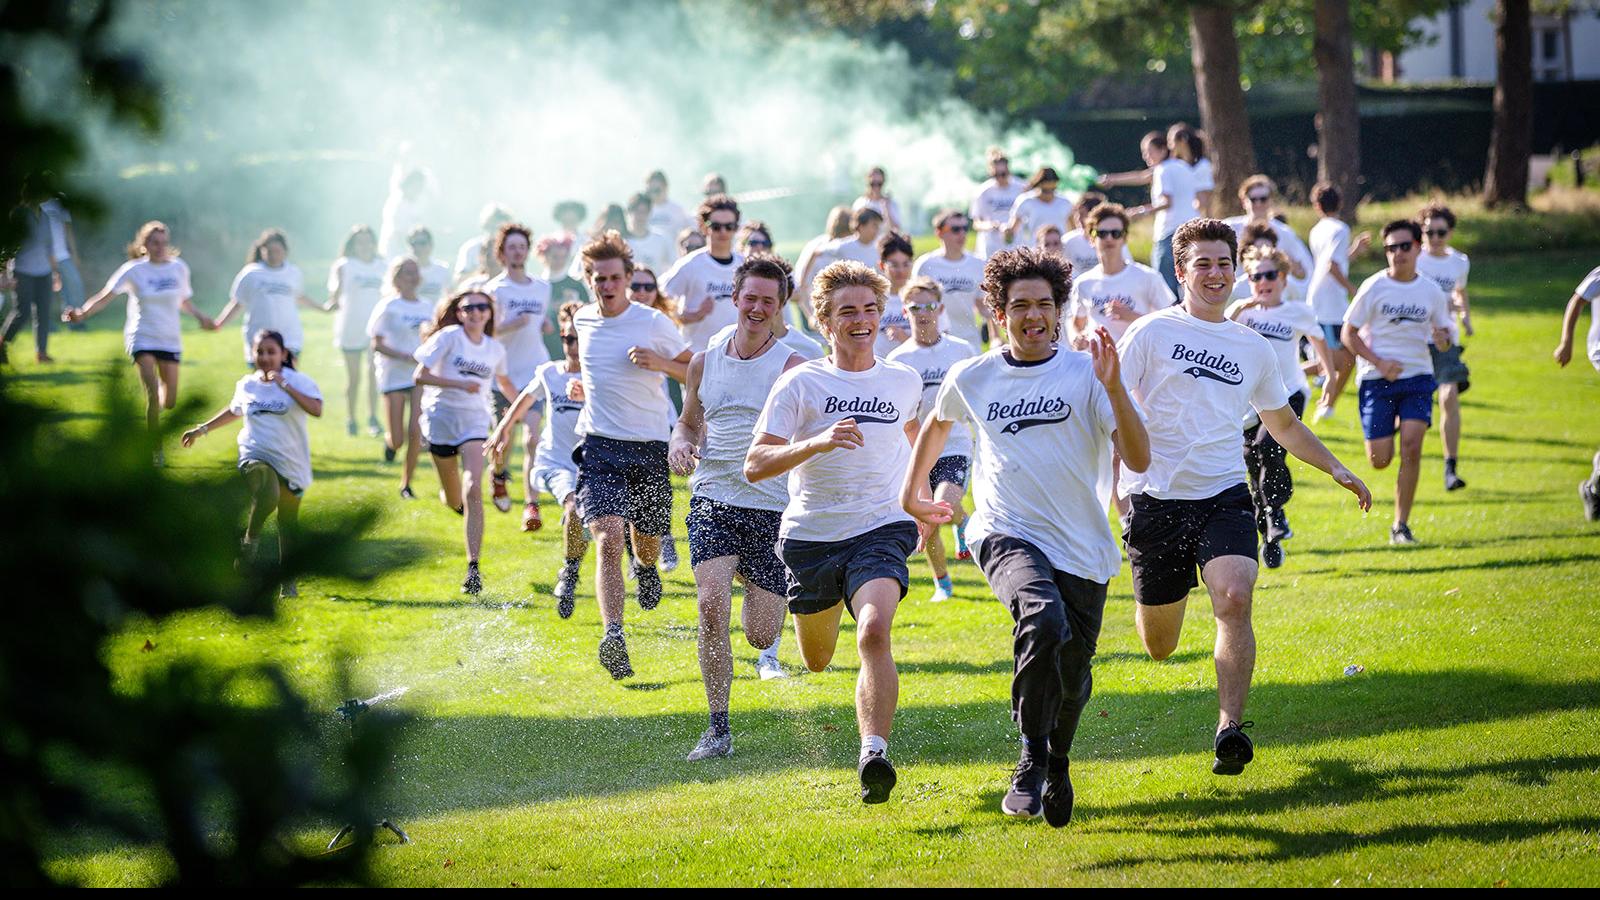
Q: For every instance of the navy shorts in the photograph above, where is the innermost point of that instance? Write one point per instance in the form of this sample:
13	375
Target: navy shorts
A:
1384	403
950	470
718	529
627	479
158	355
1449	369
824	573
1168	541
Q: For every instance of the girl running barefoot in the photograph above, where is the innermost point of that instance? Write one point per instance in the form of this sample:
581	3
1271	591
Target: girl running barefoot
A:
457	364
355	284
268	289
395	329
157	284
274	451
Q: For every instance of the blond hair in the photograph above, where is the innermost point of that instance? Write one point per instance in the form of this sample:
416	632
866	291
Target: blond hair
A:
1255	255
843	274
924	283
607	246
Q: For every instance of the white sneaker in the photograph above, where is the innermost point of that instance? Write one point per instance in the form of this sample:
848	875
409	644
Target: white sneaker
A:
939	594
1324	413
768	667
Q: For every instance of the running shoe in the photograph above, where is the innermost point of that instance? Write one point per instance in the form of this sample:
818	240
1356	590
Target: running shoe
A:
1278	526
669	554
1453	482
350	427
767	665
531	520
472	585
647	586
712	744
1324	413
1058	792
388	453
1591	500
502	499
963	552
877	776
943	589
1401	535
1272	554
1025	800
567	588
1233	749
373	428
406	493
43	358
614	655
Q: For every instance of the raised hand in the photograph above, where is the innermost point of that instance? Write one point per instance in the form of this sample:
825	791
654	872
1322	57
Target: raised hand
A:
1103	350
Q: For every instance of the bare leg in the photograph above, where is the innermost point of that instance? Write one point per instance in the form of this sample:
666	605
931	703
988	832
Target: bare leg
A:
413	437
646	547
1405	486
818	636
394	416
1231	581
713	583
353	363
878	685
1160	627
1343	364
449	480
530	447
372	384
608	587
169	384
264	494
573	543
149	378
1450	418
288	520
472	491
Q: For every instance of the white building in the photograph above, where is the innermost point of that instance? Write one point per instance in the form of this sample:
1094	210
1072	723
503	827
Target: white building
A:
1460	46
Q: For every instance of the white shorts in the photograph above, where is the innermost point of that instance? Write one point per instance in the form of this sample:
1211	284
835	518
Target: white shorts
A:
448	427
557	482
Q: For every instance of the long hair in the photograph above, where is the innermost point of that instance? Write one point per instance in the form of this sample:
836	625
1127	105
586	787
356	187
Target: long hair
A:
267	334
445	315
136	249
350	239
660	304
258	250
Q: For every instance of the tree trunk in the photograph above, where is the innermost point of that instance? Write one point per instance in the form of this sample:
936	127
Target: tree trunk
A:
1338	122
1506	181
1215	54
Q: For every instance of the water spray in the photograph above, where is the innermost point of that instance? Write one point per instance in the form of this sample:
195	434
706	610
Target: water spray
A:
351	711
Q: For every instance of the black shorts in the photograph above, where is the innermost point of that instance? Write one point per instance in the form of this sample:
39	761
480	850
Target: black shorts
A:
718	529
823	573
950	470
1169	540
627	479
408	391
158	355
445	451
1449	369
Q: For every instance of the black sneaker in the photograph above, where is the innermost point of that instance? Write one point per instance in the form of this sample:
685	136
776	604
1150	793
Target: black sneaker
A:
388	453
1453	482
713	744
1233	749
1025	800
566	588
406	493
647	586
877	776
1058	793
1400	535
1278	526
1272	554
473	584
1591	500
614	655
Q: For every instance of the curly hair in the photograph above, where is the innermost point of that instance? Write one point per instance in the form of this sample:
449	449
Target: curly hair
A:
765	265
840	275
1259	230
1437	211
1103	212
715	202
607	246
506	231
1008	267
1196	230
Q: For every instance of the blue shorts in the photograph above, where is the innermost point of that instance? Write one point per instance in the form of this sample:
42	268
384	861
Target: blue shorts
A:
950	470
1330	333
1385	403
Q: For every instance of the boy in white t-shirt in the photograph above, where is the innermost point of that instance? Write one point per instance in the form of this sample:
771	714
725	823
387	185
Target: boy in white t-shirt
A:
991	208
1587	294
958	273
1115	292
1172	199
701	282
1448	268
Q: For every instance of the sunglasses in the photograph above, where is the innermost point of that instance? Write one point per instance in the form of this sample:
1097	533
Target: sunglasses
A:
723	226
1439	232
922	307
1114	234
957	229
1269	275
643	286
1259	198
757	242
1398	247
475	307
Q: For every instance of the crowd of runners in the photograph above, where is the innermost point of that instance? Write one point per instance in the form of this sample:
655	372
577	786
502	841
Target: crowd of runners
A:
833	416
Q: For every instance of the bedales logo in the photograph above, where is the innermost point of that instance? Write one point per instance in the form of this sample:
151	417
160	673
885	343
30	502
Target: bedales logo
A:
163	285
1403	312
719	290
561	403
277	288
1215	366
932	378
863	409
260	407
1028	413
1103	303
1445	282
1272	330
523	306
471	367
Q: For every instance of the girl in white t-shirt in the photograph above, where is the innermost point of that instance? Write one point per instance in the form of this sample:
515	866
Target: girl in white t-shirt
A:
274	449
457	365
157	284
355	284
395	332
1189	145
269	290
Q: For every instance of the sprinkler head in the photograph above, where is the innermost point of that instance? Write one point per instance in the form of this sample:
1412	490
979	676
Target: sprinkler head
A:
351	708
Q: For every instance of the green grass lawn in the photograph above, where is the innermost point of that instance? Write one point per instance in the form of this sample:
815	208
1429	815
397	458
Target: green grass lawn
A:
1466	752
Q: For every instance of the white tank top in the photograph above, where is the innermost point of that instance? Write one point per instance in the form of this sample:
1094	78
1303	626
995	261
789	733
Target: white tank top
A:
732	393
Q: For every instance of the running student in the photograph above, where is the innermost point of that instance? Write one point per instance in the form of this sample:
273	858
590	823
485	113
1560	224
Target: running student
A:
875	199
554	472
702	281
894	263
1043	417
1115	292
1588	292
395	330
355	284
157	284
933	355
1396	316
1195	375
958	273
520	301
1039	206
733	524
472	249
1448	268
1283	323
274	449
1256	196
1077	245
1330	288
458	364
991	208
811	260
861	245
625	351
838	427
435	275
1172	199
269	289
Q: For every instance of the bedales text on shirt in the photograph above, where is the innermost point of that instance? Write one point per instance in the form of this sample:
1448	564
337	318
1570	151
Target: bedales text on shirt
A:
1403	312
1216	366
855	406
472	367
1038	411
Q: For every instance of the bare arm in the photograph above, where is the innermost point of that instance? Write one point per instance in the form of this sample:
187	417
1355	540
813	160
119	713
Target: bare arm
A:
698	312
94	305
683	451
915	495
423	376
1569	327
1293	435
1350	336
205	321
312	405
1458	300
379	345
513	417
676	368
1319	349
226	315
771	455
204	428
1123	179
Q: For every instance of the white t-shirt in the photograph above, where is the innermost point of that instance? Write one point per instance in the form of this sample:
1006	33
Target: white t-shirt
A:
993	204
837	495
274	430
1034	212
669	218
399	322
1195	381
654	251
796	340
1288	242
435	281
1042	434
1397	319
1079	250
469	256
961	281
1138	286
934	364
1448	271
156	292
847	247
525	305
894	313
1283	326
449	353
1172	177
1330	241
623	401
558	437
1200	173
359	286
695	279
1589	289
270	298
887	207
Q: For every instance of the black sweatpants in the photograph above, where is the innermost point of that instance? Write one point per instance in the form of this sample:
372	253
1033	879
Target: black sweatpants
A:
1267	463
1057	619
